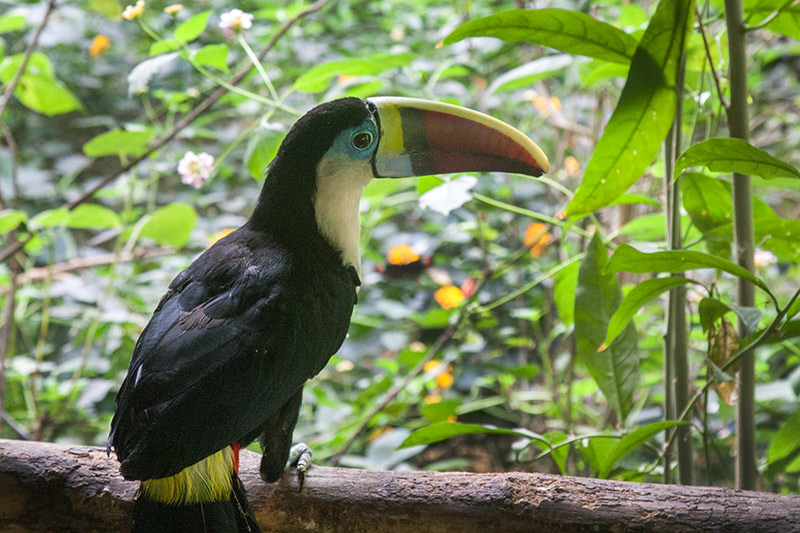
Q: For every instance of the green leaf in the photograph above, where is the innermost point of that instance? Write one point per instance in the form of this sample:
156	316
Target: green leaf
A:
192	27
213	55
162	47
317	78
638	297
569	31
50	218
630	198
9	23
440	431
119	142
10	219
786	22
630	442
530	73
653	227
261	149
615	369
629	259
92	216
704	198
566	282
734	155
711	310
643	115
439	411
38	88
786	441
109	8
171	224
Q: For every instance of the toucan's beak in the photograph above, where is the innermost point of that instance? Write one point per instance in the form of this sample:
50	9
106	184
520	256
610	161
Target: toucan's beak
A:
419	137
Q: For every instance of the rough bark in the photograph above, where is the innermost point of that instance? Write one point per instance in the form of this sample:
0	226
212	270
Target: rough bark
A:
57	487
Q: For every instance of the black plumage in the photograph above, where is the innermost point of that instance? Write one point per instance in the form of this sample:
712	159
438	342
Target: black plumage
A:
229	347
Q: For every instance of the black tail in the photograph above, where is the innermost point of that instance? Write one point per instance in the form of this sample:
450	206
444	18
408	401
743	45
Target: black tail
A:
232	516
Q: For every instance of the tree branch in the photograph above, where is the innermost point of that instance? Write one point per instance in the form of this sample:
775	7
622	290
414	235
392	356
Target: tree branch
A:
58	487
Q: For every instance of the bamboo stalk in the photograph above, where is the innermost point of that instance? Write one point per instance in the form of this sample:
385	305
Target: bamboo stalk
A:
746	473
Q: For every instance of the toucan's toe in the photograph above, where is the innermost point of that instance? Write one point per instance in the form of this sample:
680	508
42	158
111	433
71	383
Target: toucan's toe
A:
300	458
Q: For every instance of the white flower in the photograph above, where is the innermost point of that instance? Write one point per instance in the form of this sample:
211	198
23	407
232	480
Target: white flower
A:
132	12
195	169
234	21
763	258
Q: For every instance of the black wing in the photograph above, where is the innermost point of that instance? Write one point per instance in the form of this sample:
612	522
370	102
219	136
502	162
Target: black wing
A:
216	359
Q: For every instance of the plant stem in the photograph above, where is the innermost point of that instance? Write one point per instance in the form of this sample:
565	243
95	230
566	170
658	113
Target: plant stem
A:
738	125
678	334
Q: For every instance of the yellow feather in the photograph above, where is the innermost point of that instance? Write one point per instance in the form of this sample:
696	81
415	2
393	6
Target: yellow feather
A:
208	480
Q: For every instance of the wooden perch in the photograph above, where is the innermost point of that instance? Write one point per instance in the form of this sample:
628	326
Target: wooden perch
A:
57	487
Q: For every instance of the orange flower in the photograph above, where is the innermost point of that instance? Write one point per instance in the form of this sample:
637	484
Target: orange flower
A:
555	102
402	254
537	237
572	166
540	103
431	365
100	44
432	398
218	235
449	296
444	380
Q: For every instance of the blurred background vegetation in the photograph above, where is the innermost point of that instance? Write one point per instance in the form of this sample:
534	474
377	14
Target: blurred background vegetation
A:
463	344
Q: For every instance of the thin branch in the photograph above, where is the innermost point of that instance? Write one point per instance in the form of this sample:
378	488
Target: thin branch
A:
710	58
80	263
180	125
31	47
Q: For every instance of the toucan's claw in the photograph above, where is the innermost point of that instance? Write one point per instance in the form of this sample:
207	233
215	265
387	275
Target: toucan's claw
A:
300	457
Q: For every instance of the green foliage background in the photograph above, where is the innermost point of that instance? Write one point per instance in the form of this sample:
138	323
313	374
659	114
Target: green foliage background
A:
556	362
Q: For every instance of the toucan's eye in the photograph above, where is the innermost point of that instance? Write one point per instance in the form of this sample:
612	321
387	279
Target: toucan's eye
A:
362	140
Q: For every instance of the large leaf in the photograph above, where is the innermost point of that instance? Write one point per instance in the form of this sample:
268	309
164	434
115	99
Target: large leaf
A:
191	28
214	55
628	259
569	31
440	431
711	310
787	440
784	16
615	369
530	73
92	216
171	224
566	281
704	199
643	115
9	23
630	442
638	297
317	78
119	142
734	155
38	88
708	202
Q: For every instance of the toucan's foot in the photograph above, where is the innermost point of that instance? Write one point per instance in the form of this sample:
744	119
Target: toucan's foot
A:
300	458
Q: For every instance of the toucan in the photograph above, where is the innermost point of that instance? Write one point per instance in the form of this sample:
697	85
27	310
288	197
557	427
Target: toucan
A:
224	358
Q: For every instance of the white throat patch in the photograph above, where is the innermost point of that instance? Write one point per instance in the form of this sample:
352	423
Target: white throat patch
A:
340	183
